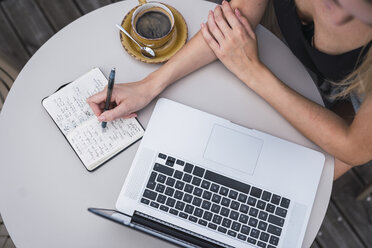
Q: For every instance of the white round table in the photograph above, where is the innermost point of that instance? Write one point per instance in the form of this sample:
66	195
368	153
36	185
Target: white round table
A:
45	190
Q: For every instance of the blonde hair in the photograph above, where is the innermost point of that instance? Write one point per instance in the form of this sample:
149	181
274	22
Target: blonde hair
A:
359	81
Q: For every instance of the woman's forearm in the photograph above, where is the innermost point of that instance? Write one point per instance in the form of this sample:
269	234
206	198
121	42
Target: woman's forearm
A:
196	53
317	123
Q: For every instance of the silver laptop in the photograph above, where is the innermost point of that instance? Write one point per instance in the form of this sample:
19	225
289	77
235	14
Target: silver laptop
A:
199	180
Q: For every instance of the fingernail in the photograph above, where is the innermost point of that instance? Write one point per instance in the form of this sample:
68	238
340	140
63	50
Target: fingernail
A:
101	118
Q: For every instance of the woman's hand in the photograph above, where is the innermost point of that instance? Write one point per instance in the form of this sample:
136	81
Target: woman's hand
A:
127	98
233	40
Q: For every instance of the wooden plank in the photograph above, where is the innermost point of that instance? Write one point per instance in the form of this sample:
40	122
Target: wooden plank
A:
336	232
89	5
357	213
30	23
59	13
11	48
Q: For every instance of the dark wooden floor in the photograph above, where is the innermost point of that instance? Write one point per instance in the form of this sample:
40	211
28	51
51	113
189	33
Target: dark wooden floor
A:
25	25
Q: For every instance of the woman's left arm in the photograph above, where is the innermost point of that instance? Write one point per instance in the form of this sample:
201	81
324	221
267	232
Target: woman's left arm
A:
236	47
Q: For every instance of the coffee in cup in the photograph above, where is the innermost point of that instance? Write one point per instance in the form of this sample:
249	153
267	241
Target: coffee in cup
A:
152	24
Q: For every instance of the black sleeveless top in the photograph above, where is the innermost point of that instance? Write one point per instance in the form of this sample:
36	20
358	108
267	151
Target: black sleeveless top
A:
299	39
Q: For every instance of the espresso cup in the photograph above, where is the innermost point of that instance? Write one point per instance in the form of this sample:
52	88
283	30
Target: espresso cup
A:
152	24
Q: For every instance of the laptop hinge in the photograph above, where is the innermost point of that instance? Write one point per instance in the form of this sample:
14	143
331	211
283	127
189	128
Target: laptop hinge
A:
186	236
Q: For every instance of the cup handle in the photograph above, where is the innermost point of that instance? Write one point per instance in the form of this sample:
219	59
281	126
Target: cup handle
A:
142	2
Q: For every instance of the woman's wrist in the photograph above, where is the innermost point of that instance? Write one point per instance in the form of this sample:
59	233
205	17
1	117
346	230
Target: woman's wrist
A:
255	75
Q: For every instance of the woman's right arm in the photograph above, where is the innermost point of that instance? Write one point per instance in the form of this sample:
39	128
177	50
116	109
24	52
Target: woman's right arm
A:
131	97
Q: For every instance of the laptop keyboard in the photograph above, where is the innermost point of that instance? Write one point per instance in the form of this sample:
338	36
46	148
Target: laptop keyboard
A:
245	212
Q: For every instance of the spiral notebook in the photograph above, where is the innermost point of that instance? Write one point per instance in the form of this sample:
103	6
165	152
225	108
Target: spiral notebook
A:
93	144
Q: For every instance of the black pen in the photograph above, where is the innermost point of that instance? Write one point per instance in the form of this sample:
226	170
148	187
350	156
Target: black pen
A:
109	93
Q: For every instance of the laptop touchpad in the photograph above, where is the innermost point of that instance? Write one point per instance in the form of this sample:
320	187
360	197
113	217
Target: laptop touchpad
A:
234	149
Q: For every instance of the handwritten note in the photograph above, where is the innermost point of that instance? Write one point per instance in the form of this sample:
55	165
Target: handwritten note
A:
76	120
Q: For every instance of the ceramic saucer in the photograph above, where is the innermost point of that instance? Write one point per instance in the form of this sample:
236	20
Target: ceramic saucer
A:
163	53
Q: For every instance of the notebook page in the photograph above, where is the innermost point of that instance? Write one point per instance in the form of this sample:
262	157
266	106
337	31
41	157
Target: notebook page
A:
95	144
68	106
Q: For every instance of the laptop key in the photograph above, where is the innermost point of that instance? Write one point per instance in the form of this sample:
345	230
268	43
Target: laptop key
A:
215	208
242	237
215	187
245	229
197	201
251	201
266	196
188	188
231	233
170	202
262	225
180	205
225	202
216	198
285	202
161	198
198	171
256	192
162	156
205	184
154	204
202	222
145	201
251	240
253	212
276	220
264	236
180	162
198	191
212	226
281	212
225	211
151	185
163	169
170	161
160	188
206	205
263	215
193	218
183	215
244	209
173	211
170	181
274	240
235	205
198	212
243	218
207	195
188	168
226	222
224	191
236	226
187	198
261	244
255	233
275	199
270	208
178	194
233	194
164	208
187	178
217	219
252	222
261	204
222	229
153	176
178	174
274	230
226	181
242	198
189	209
169	191
196	181
161	178
179	185
207	216
234	215
150	194
270	246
